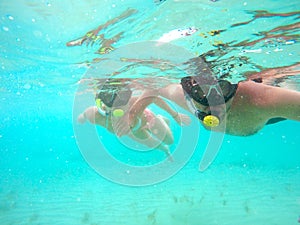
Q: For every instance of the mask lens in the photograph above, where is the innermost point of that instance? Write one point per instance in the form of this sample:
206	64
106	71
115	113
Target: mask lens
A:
115	97
198	94
187	85
225	86
193	90
216	95
228	89
122	97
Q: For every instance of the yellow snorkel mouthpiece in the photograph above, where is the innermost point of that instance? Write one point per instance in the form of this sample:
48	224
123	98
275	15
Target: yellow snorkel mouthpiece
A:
98	103
118	113
211	121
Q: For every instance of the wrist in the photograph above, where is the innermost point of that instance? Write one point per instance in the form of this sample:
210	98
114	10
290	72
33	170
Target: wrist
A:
175	115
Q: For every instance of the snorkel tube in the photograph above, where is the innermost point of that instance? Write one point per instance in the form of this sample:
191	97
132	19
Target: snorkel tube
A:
208	119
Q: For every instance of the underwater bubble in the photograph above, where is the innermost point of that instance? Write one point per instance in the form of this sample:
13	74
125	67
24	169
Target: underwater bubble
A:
5	28
10	17
27	86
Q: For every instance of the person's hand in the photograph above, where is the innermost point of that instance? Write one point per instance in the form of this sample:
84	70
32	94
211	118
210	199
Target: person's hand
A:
182	119
81	118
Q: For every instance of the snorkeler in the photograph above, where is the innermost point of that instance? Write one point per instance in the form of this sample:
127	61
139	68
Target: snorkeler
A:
238	109
147	128
245	107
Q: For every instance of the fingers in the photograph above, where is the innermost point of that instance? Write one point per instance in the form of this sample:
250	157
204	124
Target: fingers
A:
183	119
186	120
81	118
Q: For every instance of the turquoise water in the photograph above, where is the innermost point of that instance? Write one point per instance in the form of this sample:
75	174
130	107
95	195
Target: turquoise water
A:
44	175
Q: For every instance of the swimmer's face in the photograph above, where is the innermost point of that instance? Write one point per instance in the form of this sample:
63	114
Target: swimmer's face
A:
104	107
219	110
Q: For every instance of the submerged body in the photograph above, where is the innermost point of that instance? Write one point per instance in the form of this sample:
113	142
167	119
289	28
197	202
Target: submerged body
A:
253	105
150	130
146	127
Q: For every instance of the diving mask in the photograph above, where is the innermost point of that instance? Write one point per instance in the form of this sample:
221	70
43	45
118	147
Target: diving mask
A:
105	110
111	96
217	94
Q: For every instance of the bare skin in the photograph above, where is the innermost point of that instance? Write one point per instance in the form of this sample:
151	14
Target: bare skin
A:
136	108
160	139
153	130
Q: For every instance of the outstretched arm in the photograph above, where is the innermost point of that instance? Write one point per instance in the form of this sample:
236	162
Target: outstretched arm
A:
143	102
138	107
91	115
180	118
174	93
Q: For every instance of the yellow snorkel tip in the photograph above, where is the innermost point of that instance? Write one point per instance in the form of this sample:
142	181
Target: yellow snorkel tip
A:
98	103
211	121
118	113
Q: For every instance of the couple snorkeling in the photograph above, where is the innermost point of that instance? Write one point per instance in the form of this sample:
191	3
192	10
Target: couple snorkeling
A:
240	109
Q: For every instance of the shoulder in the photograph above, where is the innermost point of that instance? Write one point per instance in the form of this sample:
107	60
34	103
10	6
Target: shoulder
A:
268	95
173	90
257	93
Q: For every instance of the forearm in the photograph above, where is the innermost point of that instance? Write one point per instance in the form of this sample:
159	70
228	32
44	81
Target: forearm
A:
163	105
137	107
174	93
